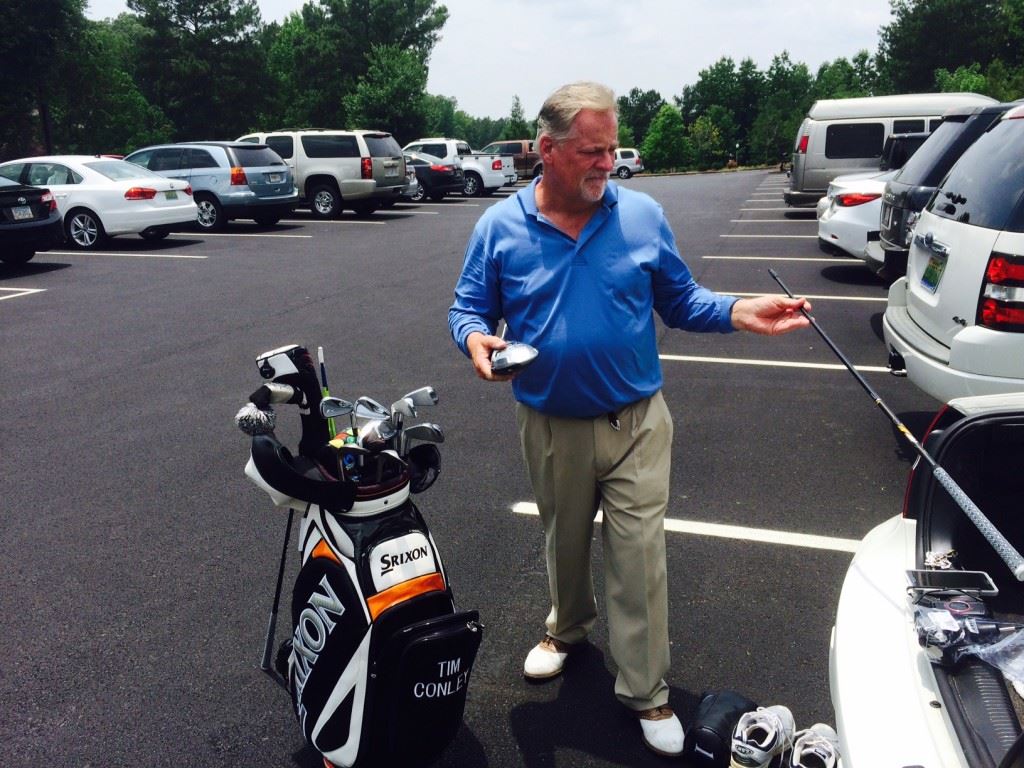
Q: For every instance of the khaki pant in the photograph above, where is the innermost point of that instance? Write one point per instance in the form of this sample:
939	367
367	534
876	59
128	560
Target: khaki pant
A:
575	466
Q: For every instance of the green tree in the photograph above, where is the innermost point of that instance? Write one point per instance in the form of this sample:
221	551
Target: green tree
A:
196	63
963	79
709	148
391	94
31	77
516	127
787	97
666	144
842	79
636	111
440	116
927	35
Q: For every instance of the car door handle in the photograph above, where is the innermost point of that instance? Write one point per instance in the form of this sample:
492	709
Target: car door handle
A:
929	242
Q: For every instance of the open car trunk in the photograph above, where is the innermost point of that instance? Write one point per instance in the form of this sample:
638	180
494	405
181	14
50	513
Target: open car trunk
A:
984	453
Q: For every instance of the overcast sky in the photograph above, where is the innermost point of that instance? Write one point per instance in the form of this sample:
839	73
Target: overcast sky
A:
493	50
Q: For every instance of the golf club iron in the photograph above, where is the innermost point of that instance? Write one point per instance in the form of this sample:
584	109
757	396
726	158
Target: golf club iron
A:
999	543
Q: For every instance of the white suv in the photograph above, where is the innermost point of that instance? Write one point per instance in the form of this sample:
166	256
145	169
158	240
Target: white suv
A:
627	162
361	170
955	323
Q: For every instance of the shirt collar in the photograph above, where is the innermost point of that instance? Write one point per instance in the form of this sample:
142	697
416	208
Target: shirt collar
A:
528	198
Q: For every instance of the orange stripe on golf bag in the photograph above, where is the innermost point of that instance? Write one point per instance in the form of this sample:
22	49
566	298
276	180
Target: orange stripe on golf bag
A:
380	602
323	549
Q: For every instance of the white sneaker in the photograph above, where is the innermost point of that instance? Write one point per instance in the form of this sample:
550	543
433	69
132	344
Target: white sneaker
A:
816	747
761	736
546	659
662	731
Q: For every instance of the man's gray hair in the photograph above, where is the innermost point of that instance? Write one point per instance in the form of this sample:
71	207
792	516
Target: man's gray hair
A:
562	106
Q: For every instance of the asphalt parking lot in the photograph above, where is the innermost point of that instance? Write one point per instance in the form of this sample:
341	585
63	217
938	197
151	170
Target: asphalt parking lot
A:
139	563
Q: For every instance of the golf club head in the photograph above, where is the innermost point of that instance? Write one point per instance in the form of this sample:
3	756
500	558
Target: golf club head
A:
369	409
425	432
404	406
335	407
375	435
512	358
422	396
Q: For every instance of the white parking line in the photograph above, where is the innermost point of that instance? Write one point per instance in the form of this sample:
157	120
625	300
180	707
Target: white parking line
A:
784	237
768	221
823	259
448	205
236	234
829	259
329	221
882	299
771	363
13	293
786	208
742	533
124	253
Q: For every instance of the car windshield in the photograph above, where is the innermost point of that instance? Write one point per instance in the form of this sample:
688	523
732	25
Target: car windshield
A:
256	156
985	186
119	170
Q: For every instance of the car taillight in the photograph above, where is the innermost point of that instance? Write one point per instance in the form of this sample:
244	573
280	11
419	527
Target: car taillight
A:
908	227
238	177
366	167
496	164
140	193
49	201
802	147
850	199
1002	293
442	168
188	190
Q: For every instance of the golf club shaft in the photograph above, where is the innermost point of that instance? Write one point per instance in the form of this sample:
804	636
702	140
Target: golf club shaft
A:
999	543
324	389
268	644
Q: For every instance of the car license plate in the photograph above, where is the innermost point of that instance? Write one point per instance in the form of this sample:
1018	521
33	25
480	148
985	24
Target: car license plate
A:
275	178
933	272
171	194
391	171
22	212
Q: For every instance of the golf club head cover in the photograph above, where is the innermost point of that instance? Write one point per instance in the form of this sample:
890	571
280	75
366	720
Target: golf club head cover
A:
294	366
254	420
424	467
709	737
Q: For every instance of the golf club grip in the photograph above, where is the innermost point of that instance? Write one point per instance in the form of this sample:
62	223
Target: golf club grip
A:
1003	548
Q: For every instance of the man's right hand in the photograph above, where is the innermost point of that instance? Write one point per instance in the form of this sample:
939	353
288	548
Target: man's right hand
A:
480	347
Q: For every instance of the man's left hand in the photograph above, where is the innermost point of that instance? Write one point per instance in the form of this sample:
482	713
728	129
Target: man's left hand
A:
770	315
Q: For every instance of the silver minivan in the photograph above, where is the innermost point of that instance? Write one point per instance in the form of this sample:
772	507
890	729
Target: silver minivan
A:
841	136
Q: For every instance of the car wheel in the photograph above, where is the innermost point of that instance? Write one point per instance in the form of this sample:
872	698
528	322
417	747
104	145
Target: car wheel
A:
325	201
211	215
623	173
83	228
267	220
419	194
437	196
18	257
154	233
365	207
471	185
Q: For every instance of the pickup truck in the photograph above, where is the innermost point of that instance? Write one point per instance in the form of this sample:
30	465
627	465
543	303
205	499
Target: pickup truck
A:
526	160
483	174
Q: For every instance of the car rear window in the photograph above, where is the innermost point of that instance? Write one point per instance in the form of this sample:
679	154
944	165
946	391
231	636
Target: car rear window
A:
330	146
256	156
984	188
908	126
119	170
283	145
850	140
934	159
382	145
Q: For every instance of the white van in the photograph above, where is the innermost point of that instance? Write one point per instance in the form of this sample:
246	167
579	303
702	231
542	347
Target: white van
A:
841	136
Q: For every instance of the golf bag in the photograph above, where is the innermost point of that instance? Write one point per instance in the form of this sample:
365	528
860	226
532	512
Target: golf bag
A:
379	660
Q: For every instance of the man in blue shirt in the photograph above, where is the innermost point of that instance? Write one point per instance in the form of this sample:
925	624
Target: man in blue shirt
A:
576	267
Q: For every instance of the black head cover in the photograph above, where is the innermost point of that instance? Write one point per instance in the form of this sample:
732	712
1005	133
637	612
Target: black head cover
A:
424	467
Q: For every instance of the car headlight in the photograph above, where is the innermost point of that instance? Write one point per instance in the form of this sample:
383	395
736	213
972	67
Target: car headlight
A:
908	227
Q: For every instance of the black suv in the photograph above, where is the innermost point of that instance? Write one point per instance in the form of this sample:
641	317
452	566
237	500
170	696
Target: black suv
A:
906	194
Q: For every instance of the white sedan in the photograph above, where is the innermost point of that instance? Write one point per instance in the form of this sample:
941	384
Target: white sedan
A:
849	214
101	197
908	686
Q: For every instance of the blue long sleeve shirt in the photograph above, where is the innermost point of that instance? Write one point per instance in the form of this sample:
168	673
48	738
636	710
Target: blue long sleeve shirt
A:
586	304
